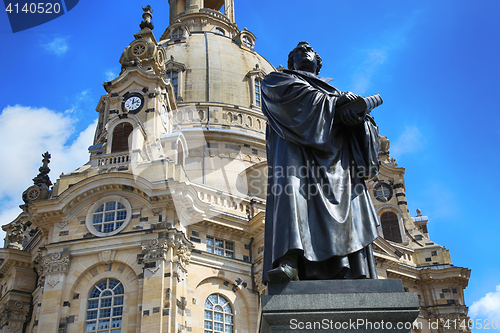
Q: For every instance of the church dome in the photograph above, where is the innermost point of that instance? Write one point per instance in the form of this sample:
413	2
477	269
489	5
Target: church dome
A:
226	78
215	61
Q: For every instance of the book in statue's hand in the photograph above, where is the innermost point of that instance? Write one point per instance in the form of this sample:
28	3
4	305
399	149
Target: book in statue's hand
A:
362	105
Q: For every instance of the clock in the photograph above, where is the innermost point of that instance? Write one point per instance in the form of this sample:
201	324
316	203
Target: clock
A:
134	102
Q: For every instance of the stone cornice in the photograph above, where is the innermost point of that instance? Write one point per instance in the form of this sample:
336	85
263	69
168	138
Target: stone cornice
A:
457	275
128	74
10	258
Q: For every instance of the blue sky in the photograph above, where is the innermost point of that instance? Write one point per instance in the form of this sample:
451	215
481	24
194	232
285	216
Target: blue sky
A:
434	63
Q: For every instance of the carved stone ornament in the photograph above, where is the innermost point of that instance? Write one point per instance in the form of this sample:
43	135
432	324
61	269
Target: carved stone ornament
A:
15	235
259	285
184	255
40	190
52	280
13	315
157	249
57	263
147	16
107	256
62	224
38	263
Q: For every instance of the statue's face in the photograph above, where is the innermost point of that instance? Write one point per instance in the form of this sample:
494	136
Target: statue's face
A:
304	58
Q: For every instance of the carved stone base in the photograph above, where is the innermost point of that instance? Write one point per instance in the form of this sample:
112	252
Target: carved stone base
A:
338	306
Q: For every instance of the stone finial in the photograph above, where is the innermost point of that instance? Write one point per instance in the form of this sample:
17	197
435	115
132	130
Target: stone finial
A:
147	16
43	176
419	212
384	145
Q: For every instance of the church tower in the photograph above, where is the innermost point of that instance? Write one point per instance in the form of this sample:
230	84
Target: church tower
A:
162	230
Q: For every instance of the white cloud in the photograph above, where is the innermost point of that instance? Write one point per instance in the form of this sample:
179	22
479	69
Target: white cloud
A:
372	59
58	46
361	79
78	100
410	141
487	307
110	75
27	133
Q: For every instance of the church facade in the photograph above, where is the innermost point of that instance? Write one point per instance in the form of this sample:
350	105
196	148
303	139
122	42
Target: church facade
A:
162	230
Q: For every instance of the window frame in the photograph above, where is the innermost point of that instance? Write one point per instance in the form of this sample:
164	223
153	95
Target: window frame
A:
225	248
103	201
255	78
382	196
122	132
175	84
392	227
110	295
177	33
210	312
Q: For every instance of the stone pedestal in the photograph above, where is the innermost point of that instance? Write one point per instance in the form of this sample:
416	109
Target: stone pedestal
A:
338	306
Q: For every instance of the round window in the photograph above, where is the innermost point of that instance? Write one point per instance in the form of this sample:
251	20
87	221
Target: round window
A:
383	192
108	216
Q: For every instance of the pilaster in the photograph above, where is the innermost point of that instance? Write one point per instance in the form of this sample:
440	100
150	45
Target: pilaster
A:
55	269
164	261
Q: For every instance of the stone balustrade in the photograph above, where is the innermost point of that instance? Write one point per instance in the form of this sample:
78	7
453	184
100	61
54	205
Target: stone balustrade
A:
113	159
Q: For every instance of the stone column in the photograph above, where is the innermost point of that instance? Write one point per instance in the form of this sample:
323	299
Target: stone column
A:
55	268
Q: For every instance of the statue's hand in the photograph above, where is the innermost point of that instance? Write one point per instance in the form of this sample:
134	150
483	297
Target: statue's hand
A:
346	98
350	117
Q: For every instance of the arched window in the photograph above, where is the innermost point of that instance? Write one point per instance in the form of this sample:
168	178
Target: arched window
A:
390	227
105	307
257	91
219	315
120	137
177	33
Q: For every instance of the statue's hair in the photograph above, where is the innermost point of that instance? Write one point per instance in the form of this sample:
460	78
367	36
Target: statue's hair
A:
319	62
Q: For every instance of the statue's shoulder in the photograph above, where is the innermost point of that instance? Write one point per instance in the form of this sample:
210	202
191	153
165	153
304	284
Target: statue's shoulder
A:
279	74
286	76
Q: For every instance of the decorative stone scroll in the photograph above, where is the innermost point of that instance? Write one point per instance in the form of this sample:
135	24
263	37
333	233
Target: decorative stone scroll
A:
55	266
157	249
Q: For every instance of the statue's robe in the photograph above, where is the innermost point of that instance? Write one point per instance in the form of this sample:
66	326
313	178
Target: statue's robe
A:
318	205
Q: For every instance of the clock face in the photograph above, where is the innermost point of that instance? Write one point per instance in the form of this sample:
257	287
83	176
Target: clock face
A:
134	103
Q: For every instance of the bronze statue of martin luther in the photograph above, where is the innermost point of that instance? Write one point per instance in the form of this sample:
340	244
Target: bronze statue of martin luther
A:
320	220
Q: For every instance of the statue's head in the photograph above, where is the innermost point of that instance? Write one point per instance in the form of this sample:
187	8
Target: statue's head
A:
304	58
